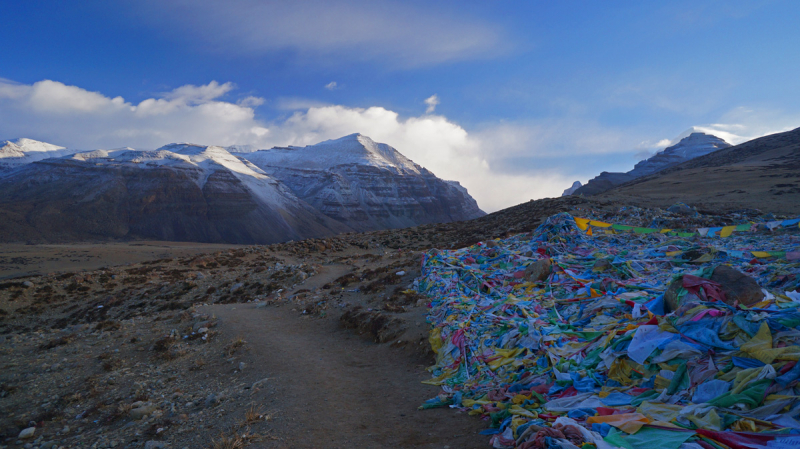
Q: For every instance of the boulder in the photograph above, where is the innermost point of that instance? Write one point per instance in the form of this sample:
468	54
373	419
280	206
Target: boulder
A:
738	287
681	209
602	265
539	271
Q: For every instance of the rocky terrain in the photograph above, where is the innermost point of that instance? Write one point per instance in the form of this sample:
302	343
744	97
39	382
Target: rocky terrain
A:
184	192
269	346
692	146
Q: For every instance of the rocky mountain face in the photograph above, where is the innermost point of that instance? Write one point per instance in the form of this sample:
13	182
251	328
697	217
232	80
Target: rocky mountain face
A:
179	192
207	194
366	185
690	147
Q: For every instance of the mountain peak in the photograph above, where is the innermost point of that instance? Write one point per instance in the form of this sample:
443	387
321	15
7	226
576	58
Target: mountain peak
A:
352	149
24	151
26	145
575	186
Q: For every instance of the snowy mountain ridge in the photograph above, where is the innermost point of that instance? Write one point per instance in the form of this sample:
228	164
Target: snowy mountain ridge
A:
355	149
184	191
24	151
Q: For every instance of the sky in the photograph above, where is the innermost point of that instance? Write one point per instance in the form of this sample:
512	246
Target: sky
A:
513	99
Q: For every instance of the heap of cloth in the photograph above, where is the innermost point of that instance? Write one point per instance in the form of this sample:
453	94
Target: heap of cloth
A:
561	339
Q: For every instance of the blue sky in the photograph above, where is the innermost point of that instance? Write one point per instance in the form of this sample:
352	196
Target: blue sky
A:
529	95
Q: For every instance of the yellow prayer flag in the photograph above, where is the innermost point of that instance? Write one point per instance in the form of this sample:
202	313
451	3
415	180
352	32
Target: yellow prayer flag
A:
727	231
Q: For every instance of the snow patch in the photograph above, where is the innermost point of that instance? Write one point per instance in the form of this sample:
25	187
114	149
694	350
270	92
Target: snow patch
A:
355	149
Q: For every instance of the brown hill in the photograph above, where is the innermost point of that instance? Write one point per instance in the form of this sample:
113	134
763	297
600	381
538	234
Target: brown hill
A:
763	173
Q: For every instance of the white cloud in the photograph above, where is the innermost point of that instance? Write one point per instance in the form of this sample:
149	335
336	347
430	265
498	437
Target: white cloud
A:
432	102
52	111
327	31
190	94
331	86
663	143
742	124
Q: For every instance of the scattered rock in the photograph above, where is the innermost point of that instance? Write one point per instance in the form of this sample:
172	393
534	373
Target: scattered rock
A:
236	287
27	433
211	400
200	324
141	412
259	383
153	444
539	271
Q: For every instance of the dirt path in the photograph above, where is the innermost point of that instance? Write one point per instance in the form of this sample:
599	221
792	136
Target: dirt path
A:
331	388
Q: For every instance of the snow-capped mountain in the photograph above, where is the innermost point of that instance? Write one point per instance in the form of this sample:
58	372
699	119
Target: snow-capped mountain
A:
24	151
205	193
694	145
575	186
366	185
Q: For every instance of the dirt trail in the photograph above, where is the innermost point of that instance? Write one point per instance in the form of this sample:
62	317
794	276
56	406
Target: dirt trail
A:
331	388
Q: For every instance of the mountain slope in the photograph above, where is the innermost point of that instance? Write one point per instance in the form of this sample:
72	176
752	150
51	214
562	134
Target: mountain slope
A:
690	147
178	192
763	173
366	185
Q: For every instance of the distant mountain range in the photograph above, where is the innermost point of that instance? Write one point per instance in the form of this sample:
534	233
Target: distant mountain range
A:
200	193
690	147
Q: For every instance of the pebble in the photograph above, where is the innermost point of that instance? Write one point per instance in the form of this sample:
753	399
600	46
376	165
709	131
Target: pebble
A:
242	365
200	324
211	400
153	444
27	433
141	412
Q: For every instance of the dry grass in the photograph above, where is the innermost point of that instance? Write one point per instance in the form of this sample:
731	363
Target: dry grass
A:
234	442
252	415
124	408
235	345
198	364
238	440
